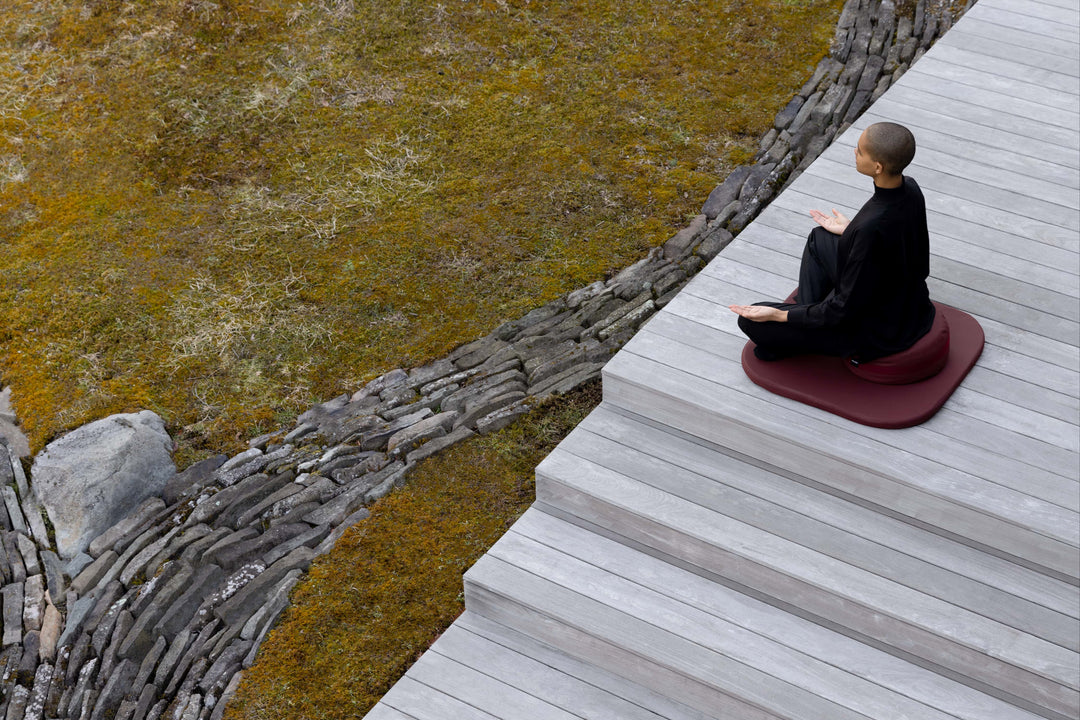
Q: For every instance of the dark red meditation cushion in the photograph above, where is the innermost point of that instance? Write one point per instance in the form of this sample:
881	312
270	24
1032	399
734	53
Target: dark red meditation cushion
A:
924	359
823	382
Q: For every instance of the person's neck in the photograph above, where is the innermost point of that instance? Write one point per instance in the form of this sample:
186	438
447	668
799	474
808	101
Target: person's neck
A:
888	182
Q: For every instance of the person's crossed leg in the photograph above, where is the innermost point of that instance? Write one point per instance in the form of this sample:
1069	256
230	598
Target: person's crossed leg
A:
818	275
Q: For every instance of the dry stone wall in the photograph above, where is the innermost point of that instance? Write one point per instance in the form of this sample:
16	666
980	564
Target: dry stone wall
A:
161	614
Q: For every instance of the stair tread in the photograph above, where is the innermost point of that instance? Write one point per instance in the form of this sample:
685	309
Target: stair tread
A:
712	633
498	673
814	569
417	700
705	474
752	502
885	452
893	482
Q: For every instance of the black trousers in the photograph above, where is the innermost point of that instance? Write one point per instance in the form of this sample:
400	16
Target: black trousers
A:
818	275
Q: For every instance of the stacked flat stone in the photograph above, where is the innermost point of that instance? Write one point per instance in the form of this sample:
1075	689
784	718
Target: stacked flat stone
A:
161	615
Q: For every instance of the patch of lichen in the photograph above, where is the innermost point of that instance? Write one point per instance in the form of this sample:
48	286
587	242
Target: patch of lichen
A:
227	211
392	583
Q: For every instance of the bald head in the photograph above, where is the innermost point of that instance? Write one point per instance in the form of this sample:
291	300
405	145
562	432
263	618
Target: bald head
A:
891	145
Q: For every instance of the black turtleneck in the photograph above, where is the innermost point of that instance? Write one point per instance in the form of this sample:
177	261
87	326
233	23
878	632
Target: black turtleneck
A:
884	259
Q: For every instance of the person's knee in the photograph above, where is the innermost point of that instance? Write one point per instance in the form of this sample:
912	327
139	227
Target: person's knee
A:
751	329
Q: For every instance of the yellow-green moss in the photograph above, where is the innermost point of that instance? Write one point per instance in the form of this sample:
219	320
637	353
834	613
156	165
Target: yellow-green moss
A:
226	211
392	584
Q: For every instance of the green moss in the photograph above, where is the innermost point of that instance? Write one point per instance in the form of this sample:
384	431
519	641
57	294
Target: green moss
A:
228	211
392	584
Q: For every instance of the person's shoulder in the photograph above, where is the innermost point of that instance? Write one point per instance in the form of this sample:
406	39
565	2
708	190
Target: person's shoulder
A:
911	186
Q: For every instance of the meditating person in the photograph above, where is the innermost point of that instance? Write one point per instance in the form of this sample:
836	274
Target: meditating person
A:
862	283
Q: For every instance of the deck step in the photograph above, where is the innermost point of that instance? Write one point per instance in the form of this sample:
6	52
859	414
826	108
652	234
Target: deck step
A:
684	373
713	648
1001	628
479	669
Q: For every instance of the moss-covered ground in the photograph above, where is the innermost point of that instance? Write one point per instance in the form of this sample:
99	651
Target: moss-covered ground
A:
367	610
226	211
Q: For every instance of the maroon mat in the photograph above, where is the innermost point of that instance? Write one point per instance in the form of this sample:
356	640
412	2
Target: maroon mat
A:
826	383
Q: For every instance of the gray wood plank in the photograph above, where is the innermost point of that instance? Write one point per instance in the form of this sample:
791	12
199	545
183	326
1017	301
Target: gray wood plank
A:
580	640
982	305
1023	394
1051	166
1011	459
992	133
743	629
992	437
385	712
1066	4
1039	26
758	252
1047	77
1015	418
596	473
1015	37
533	678
416	700
714	463
1050	266
517	593
979	114
1046	479
733	282
930	65
1065	16
762	620
709	309
1030	57
642	699
645	387
812	446
822	431
482	691
808	682
1052	356
1018	171
1007	104
837	193
1050	362
1000	286
1018	366
958	294
842	152
785	230
983	197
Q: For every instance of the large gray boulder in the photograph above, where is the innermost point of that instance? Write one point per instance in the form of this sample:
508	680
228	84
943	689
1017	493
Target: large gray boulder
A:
95	475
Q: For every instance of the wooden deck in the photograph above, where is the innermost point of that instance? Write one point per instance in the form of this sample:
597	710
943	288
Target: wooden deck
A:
701	548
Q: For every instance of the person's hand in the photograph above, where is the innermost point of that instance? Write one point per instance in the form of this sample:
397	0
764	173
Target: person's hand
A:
759	313
835	224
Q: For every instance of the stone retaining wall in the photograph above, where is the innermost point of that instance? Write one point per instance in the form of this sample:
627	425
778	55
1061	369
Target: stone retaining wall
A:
163	612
